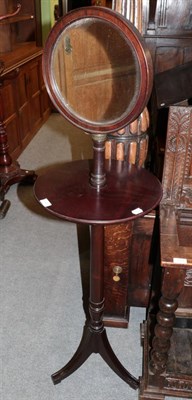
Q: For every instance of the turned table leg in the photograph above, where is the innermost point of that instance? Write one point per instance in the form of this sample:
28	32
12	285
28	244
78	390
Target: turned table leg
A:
173	281
94	339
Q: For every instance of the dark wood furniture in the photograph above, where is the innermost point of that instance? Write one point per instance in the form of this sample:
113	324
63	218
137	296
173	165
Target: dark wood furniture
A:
167	31
123	242
98	192
21	25
70	196
24	103
167	358
166	28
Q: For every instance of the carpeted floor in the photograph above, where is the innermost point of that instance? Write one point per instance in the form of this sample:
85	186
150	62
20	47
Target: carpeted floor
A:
41	292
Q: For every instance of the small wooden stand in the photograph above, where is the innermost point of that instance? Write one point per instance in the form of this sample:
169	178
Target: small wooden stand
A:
107	193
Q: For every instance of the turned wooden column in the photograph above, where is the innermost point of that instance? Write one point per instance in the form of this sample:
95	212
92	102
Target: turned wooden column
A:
98	175
172	284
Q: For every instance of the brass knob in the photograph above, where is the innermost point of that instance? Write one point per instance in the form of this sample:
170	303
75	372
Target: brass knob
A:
117	270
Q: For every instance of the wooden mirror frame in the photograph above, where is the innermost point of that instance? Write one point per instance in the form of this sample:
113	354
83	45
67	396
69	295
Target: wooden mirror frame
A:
134	40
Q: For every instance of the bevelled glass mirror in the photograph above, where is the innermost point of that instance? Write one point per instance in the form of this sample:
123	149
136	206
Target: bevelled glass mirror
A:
97	69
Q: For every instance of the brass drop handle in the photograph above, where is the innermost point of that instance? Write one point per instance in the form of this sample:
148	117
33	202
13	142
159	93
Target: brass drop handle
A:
117	270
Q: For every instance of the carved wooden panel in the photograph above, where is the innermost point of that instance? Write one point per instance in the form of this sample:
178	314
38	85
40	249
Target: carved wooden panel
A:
177	174
188	278
177	183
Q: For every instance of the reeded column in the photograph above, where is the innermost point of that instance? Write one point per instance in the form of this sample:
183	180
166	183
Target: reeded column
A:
130	143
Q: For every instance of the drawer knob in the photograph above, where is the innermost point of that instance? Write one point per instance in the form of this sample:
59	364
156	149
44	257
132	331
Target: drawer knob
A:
117	270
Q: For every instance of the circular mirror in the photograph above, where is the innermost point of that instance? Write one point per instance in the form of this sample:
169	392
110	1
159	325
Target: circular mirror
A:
97	70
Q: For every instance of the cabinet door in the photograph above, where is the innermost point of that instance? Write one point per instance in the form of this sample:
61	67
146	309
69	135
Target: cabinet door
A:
29	101
10	116
23	103
45	101
34	94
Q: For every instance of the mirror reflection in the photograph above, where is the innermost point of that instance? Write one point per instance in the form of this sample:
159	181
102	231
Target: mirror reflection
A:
95	71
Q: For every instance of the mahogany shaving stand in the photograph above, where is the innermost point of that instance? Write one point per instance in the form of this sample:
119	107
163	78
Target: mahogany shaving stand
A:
98	75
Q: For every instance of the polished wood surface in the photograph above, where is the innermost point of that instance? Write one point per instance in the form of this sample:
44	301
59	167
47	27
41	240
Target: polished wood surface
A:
94	339
120	199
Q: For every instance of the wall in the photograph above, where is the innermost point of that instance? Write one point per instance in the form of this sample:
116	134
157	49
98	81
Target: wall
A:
47	16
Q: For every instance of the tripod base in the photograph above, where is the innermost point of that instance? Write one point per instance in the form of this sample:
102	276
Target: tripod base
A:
95	342
10	175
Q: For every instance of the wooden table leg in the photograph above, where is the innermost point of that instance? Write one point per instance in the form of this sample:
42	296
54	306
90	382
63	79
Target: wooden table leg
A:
155	378
173	281
94	338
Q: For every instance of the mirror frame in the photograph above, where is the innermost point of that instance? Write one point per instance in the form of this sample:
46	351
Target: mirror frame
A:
142	54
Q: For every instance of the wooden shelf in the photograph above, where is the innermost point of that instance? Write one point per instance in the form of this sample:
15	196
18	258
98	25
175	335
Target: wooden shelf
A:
17	18
20	53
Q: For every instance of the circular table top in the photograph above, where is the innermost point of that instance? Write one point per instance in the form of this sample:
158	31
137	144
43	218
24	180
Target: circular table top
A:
129	192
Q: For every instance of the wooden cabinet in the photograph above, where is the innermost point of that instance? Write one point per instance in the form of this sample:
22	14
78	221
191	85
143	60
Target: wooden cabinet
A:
167	30
128	247
24	98
24	103
166	27
22	27
29	98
